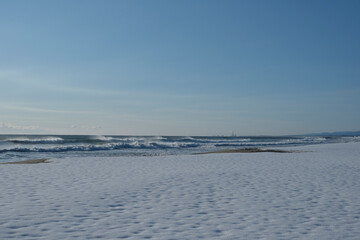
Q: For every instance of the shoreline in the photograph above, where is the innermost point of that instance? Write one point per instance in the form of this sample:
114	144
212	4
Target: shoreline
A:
247	150
34	161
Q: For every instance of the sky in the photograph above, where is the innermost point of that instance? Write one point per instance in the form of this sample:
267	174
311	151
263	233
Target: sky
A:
180	67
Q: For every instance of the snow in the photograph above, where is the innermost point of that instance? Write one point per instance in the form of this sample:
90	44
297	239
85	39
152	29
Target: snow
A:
313	194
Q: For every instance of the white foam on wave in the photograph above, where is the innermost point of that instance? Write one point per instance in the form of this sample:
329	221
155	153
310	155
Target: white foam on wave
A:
100	147
159	138
314	139
212	140
103	138
40	140
305	140
351	139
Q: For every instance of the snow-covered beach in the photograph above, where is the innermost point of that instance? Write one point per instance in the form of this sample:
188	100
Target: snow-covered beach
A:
310	194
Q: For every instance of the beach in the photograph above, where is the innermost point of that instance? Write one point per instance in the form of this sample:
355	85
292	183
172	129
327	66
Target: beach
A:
300	192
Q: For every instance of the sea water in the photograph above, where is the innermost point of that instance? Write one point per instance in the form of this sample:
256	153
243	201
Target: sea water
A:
23	147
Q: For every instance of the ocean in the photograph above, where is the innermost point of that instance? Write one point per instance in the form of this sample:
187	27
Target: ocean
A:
25	147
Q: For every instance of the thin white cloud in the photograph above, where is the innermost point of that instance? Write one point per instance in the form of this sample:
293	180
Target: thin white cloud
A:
44	110
85	127
17	127
86	91
6	73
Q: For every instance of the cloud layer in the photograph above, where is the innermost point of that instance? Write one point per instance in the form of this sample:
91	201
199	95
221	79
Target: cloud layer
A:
11	126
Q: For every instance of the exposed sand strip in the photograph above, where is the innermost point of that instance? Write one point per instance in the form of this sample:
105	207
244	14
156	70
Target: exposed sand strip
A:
35	161
247	150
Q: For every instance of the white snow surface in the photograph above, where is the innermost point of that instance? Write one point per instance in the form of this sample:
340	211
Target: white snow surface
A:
302	195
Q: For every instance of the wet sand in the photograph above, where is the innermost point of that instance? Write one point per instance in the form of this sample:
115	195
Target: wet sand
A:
248	150
35	161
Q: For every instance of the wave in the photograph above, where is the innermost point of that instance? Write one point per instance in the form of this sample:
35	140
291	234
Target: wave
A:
149	143
104	147
213	140
306	140
103	138
350	139
27	146
314	139
45	140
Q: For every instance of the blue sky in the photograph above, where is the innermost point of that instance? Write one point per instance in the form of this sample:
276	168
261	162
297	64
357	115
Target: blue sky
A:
179	67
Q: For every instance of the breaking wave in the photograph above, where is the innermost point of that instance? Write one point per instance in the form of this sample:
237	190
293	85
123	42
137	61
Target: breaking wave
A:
40	146
104	147
272	142
44	140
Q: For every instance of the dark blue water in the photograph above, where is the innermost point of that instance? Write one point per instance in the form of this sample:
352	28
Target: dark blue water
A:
22	147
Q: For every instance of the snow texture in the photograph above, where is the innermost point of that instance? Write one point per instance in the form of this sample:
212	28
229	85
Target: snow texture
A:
303	195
